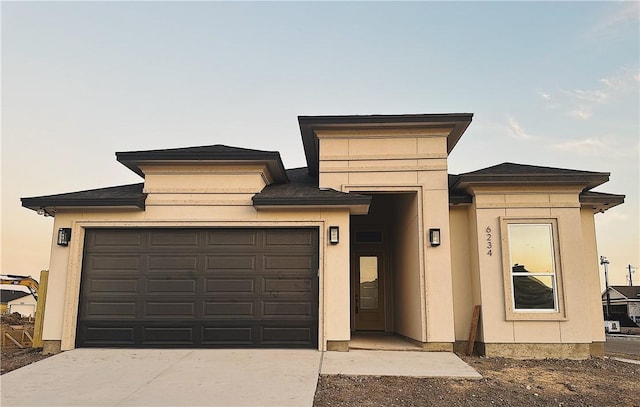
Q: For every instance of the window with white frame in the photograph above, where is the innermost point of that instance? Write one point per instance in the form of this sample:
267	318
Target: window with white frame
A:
532	271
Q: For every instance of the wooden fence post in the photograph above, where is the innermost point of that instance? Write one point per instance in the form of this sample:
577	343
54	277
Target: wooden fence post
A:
40	306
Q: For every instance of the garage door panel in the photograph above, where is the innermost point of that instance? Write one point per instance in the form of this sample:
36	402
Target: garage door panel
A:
119	264
232	238
113	286
230	287
209	288
175	285
289	286
174	239
288	262
228	336
281	335
108	336
287	238
221	264
169	309
168	335
116	239
288	309
173	263
116	309
227	309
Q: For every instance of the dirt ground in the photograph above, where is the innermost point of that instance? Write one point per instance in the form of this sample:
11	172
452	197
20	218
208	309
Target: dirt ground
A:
11	356
505	382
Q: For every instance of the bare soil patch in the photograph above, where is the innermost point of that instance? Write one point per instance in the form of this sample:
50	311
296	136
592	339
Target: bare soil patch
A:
505	382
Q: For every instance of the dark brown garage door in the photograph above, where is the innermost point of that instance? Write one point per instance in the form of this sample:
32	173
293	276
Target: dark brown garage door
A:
199	288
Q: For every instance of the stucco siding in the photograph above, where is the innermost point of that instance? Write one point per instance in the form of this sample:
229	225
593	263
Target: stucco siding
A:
591	272
461	274
573	321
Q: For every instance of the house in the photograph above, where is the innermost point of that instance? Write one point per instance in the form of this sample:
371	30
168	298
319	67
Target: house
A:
24	304
623	300
223	247
9	295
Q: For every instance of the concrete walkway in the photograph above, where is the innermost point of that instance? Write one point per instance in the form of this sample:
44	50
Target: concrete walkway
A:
396	363
205	377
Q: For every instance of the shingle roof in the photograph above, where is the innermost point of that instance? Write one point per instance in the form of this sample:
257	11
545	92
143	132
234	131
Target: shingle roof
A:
631	292
10	295
531	174
217	152
303	190
123	195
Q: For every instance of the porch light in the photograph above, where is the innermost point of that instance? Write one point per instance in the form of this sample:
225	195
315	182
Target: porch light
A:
64	235
334	234
434	237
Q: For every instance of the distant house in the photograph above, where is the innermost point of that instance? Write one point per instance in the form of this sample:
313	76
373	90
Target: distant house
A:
623	300
9	295
24	305
222	246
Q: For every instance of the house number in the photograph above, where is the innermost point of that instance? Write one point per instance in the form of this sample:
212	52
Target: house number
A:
489	244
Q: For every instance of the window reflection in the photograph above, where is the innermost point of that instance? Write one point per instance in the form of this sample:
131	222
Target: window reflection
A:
368	282
533	266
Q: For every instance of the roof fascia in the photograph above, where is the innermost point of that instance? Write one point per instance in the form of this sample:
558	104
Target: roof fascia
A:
308	124
271	159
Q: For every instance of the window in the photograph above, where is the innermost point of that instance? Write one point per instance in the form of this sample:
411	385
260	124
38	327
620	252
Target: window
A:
532	268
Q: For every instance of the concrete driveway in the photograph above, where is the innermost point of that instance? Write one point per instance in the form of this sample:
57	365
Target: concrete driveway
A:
163	377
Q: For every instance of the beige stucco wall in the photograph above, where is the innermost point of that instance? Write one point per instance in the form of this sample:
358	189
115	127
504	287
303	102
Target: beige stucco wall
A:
407	315
204	206
465	292
402	161
592	275
25	306
578	276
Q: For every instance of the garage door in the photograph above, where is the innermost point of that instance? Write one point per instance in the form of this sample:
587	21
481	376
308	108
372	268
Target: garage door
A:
199	288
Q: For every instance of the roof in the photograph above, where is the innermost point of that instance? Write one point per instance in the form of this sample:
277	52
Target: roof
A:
10	295
217	152
457	196
309	124
123	195
303	190
507	173
631	292
600	201
512	173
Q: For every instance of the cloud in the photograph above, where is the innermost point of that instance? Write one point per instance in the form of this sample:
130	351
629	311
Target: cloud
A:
516	131
597	147
544	95
595	96
625	79
581	112
581	103
625	12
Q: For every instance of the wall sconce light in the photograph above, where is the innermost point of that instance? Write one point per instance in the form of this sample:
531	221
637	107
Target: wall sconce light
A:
64	235
334	234
434	237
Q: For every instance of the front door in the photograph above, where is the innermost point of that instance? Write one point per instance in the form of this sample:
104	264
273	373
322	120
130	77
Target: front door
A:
368	295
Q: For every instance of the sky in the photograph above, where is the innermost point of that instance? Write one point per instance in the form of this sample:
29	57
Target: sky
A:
550	83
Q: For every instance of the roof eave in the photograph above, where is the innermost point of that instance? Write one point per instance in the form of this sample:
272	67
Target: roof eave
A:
307	124
354	209
272	161
601	202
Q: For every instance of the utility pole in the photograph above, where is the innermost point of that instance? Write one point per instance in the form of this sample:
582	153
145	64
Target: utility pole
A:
605	262
631	271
